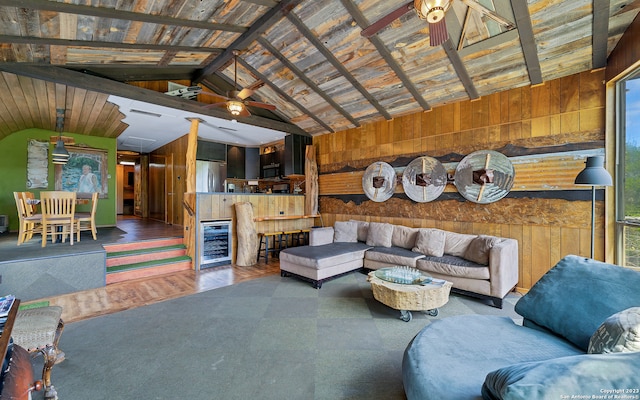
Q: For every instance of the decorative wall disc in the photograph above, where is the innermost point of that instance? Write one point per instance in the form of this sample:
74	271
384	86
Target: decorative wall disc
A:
424	179
484	176
379	181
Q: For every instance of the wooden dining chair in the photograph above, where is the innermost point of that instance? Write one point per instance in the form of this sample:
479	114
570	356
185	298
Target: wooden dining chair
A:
58	212
29	223
86	221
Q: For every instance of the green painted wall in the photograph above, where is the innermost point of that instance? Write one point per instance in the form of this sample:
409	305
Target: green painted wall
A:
13	172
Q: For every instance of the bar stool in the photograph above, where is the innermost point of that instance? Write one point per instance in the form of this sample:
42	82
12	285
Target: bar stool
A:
38	330
304	236
264	244
293	236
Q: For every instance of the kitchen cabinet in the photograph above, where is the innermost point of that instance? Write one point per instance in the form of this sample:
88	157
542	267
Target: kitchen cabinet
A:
271	164
236	162
252	163
211	151
295	147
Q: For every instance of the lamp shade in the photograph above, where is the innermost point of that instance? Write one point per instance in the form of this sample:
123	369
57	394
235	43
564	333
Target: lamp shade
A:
594	173
59	155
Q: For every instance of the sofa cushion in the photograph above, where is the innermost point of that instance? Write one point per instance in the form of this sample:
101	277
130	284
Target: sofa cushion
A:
320	236
345	231
393	255
619	333
430	242
453	266
404	236
479	248
587	376
363	229
379	234
456	244
577	295
324	256
450	357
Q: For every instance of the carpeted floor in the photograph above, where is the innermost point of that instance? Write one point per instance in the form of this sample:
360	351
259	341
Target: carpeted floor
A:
270	338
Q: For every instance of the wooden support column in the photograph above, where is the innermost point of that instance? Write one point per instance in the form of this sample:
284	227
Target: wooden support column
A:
311	181
192	147
190	207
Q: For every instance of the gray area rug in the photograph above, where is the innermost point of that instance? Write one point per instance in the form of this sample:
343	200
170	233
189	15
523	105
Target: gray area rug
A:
270	338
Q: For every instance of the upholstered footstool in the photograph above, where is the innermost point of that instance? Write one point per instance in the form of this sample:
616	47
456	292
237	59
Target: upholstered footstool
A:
38	330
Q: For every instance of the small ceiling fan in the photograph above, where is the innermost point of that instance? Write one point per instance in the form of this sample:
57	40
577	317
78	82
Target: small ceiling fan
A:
235	101
433	11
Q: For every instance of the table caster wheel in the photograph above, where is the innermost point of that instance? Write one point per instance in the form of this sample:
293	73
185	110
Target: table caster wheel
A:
405	315
433	313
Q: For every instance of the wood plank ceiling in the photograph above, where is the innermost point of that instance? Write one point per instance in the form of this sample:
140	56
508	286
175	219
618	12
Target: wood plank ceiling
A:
308	58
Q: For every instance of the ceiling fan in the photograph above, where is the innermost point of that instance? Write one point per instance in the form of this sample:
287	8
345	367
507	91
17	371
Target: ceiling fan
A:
433	11
235	101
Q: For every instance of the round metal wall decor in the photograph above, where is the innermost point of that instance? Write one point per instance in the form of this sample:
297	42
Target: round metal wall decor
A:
424	179
484	176
379	181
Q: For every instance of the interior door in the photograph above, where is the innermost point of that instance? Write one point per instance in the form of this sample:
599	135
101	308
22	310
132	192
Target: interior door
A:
157	188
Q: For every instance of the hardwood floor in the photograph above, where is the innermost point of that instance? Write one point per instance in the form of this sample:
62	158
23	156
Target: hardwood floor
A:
125	295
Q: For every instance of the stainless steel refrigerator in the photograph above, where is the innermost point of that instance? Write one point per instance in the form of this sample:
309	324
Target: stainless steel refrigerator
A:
210	176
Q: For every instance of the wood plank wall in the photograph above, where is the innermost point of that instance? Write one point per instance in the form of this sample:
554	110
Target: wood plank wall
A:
549	129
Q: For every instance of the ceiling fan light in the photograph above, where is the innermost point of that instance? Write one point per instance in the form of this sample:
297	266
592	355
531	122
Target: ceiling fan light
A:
431	10
235	107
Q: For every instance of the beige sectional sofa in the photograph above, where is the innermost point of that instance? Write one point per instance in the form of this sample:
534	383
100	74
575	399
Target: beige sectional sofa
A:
478	265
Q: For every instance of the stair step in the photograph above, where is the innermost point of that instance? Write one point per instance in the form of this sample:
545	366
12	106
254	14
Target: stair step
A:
143	255
144	250
146	264
135	272
142	244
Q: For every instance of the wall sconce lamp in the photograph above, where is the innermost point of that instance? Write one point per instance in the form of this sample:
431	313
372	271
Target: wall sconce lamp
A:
59	155
594	175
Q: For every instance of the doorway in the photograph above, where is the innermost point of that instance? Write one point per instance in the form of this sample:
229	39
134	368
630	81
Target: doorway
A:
157	188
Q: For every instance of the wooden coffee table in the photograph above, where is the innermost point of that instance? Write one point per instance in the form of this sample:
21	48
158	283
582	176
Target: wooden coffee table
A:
410	297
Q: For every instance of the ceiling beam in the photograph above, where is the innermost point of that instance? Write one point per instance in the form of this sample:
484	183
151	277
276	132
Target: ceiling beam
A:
39	41
266	21
133	72
296	71
361	20
302	28
600	34
101	85
460	69
284	95
527	40
104	12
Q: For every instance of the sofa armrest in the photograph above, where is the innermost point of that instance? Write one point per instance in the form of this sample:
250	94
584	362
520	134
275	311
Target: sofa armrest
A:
503	267
320	236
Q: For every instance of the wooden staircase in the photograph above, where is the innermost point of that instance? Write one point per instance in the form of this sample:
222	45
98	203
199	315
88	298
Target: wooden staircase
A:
142	259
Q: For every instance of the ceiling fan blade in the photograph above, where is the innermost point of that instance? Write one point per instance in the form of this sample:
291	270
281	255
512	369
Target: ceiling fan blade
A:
245	112
438	33
386	20
260	105
244	93
218	96
221	104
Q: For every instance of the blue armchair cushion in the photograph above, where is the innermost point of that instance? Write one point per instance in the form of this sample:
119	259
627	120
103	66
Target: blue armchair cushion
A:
588	376
577	295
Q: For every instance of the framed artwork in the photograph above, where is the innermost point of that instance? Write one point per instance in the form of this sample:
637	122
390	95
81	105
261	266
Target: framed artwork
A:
84	173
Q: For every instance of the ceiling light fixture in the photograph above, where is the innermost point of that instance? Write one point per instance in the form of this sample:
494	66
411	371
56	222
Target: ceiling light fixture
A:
235	107
59	155
433	12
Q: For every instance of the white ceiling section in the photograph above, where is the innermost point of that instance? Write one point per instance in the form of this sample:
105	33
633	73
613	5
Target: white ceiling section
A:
152	126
